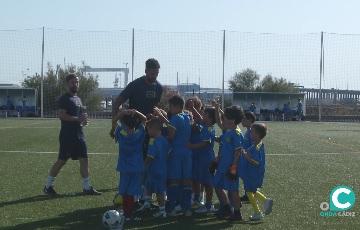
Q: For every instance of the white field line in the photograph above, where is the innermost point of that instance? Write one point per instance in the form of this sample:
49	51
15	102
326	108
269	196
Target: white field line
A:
269	154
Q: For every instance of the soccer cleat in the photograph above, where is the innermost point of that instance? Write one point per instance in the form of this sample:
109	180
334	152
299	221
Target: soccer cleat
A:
268	203
160	214
174	213
146	205
49	191
212	208
235	217
256	216
201	210
91	191
244	199
196	204
223	212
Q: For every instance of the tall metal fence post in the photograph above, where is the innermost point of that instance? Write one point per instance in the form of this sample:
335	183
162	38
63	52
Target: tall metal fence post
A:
223	74
42	73
132	54
321	72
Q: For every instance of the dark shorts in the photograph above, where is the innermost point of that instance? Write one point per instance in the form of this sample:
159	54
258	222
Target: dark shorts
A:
72	146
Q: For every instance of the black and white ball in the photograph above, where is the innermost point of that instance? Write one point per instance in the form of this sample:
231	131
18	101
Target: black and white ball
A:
112	219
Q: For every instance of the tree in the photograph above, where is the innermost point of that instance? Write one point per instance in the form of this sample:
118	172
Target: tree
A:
244	81
273	84
248	81
54	86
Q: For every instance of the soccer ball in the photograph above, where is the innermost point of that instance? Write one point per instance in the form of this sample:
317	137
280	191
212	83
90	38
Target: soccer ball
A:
112	219
118	201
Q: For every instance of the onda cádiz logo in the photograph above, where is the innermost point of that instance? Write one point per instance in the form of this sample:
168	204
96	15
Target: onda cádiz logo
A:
341	201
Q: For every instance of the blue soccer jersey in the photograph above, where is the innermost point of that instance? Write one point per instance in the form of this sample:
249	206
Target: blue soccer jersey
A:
181	122
156	179
158	150
194	139
247	139
207	134
247	142
180	158
230	141
130	149
206	155
254	174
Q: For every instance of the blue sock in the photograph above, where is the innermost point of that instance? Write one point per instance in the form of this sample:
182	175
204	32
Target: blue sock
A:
180	194
186	198
172	195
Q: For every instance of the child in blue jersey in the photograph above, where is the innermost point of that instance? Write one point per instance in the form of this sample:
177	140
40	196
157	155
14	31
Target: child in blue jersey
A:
204	149
180	159
226	180
194	105
155	163
246	122
254	170
130	131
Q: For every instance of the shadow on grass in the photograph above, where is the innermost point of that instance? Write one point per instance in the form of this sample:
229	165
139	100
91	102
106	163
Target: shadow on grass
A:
43	197
91	219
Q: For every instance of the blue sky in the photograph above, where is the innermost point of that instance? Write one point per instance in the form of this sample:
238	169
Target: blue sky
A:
286	16
291	52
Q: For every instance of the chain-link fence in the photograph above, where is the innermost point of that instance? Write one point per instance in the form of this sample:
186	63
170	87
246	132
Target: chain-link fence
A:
324	67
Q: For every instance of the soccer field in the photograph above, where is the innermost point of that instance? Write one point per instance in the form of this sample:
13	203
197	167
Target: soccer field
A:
304	162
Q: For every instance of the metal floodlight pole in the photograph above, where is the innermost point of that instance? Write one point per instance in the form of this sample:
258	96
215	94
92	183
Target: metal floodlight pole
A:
42	73
321	72
223	73
132	54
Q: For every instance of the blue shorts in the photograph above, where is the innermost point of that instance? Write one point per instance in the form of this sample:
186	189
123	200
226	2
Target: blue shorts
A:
241	167
195	166
130	184
221	181
252	184
180	166
205	177
156	183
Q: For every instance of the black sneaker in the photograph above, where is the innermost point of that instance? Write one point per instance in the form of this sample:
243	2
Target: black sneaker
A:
49	191
91	192
235	217
244	199
223	212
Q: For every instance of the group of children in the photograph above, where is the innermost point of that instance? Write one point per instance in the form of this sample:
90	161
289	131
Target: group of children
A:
178	161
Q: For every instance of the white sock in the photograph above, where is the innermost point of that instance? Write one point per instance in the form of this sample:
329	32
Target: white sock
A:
50	181
86	183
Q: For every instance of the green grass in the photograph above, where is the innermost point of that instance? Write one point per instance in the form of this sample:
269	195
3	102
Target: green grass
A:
298	178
